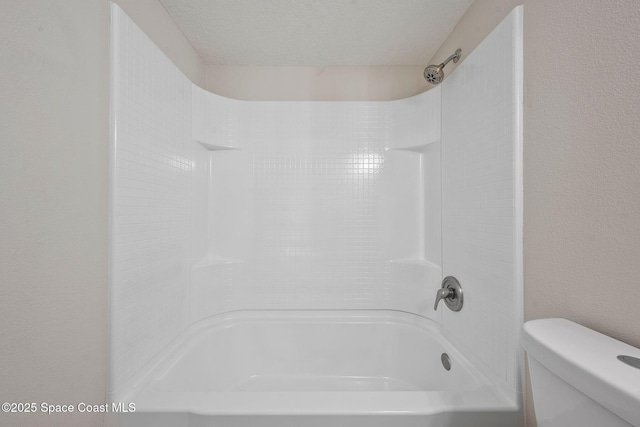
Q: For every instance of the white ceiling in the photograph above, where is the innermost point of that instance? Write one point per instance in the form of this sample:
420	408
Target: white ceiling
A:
316	32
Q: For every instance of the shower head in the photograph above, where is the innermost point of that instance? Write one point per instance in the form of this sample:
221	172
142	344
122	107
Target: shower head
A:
434	74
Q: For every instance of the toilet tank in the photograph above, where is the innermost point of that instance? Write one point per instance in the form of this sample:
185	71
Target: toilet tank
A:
576	377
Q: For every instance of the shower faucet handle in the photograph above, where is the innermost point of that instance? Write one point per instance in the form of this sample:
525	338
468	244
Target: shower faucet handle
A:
451	293
443	293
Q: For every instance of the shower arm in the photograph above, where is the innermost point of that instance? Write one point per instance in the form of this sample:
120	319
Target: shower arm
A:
455	58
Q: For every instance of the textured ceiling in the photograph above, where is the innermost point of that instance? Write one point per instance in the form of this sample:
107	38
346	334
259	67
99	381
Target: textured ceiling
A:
316	32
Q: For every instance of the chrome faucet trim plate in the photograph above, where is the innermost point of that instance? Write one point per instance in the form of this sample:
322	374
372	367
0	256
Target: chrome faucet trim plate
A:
451	293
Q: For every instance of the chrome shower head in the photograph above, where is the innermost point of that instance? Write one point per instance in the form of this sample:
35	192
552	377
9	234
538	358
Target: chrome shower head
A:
434	73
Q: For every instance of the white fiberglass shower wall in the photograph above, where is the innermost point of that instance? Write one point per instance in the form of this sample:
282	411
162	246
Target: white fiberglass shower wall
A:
221	205
312	205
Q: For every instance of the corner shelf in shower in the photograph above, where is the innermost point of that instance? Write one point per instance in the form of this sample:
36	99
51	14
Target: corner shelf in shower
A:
413	261
215	147
417	148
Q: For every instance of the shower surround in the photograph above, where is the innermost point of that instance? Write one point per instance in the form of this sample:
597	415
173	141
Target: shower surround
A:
306	208
241	228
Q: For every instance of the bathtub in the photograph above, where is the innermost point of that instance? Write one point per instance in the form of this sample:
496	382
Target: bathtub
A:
314	368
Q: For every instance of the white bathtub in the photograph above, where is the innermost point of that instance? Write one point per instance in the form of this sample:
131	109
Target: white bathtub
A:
314	368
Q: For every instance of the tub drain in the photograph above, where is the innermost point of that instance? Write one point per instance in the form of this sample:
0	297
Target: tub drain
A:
446	362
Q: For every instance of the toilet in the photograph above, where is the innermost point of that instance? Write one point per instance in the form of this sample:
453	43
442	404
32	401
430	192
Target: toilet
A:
577	378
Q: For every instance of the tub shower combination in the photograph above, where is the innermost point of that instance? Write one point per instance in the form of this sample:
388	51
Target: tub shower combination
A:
278	263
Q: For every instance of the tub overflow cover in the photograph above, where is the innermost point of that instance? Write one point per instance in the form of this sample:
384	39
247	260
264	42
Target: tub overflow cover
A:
446	362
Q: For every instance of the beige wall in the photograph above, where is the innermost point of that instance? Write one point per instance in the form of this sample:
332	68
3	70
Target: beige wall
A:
153	19
316	84
581	164
581	160
354	83
54	160
54	154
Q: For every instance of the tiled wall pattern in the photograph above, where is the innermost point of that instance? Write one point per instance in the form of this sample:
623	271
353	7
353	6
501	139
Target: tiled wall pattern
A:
307	213
150	268
415	120
480	155
317	237
214	118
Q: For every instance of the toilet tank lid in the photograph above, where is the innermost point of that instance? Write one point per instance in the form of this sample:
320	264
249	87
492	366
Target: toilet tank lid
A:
587	360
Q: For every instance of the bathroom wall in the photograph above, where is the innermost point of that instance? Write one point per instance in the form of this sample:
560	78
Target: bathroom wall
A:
155	22
151	173
54	157
54	173
333	83
581	174
375	83
150	294
581	165
316	205
482	199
